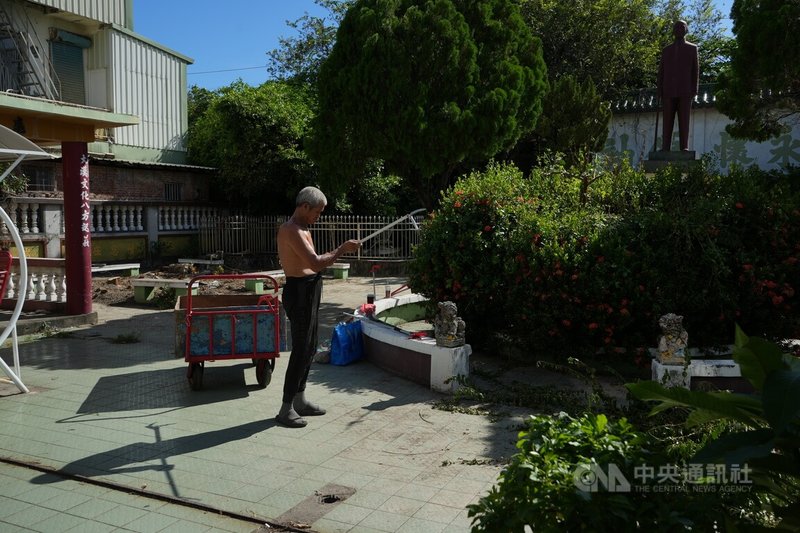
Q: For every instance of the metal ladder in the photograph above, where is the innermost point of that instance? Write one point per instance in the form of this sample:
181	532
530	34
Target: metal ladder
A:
24	65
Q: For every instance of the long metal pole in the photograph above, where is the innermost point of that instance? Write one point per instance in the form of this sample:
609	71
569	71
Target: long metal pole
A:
655	134
392	224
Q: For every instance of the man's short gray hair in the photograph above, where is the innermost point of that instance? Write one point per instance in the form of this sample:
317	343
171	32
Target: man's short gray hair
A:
311	196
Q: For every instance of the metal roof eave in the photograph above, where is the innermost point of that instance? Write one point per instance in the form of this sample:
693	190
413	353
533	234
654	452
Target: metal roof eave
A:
63	111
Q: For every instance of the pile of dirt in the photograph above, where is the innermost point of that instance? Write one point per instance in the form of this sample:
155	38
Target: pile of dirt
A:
118	290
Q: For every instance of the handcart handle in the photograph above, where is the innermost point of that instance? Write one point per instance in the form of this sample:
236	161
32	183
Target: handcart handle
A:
275	285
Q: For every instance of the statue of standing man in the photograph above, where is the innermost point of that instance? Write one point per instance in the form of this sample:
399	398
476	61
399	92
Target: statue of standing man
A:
678	79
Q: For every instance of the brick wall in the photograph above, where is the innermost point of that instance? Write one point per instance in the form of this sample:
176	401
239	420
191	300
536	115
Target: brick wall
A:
127	182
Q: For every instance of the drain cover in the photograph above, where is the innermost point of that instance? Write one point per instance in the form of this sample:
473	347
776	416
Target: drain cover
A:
328	498
318	505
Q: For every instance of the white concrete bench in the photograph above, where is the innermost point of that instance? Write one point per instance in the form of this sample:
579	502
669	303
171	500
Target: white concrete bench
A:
257	285
132	269
339	270
143	287
209	262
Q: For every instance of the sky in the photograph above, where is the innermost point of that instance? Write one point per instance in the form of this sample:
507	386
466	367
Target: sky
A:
233	36
229	39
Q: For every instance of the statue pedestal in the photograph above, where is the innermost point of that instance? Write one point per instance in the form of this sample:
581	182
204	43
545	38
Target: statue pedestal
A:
702	374
659	159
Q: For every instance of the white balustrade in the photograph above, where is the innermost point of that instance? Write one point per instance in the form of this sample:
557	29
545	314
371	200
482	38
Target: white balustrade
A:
22	219
34	218
182	218
25	216
47	281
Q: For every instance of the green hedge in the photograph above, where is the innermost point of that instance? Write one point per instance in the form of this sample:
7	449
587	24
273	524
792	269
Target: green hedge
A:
555	482
526	257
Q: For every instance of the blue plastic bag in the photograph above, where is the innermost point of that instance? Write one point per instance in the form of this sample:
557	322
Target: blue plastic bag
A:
346	344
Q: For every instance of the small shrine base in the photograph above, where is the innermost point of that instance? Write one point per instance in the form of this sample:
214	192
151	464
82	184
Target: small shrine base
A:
702	374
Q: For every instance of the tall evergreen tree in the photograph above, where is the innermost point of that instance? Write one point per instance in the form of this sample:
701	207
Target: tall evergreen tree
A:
424	86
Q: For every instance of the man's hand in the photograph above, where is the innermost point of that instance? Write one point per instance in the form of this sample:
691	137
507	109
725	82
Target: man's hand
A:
350	246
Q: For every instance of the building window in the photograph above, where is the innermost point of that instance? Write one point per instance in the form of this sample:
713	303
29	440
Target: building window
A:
172	192
67	52
40	179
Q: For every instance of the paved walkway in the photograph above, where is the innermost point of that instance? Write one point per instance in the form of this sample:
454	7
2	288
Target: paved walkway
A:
111	438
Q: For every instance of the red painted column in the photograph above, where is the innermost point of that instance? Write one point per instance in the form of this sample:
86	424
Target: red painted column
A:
77	232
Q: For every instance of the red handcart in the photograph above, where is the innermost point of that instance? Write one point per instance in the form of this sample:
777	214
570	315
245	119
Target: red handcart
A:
246	330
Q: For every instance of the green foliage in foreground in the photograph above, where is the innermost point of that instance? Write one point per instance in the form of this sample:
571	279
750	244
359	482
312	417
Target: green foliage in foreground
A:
549	484
739	471
770	441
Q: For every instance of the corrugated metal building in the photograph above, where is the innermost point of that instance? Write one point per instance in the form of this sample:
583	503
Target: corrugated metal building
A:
76	71
87	51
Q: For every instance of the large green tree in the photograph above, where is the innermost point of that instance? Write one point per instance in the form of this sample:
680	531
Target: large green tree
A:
254	136
761	87
425	86
595	52
298	57
614	43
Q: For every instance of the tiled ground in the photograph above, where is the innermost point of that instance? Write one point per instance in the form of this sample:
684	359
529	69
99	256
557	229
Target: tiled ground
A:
124	414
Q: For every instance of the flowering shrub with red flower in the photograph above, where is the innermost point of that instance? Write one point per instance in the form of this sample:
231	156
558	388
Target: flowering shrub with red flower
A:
524	257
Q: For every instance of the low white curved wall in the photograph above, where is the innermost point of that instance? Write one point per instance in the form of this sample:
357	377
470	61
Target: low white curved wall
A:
445	362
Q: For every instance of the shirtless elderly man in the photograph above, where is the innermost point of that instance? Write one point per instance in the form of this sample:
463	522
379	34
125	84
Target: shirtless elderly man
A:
301	296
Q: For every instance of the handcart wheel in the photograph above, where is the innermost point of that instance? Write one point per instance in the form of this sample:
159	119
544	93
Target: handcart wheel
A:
196	376
264	372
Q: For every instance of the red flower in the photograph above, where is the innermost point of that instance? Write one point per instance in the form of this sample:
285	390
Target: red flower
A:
566	323
457	205
600	259
747	267
777	300
594	325
487	228
624	312
739	205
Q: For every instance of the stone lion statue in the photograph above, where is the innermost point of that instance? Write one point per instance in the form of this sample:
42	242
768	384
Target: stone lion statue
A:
673	340
448	326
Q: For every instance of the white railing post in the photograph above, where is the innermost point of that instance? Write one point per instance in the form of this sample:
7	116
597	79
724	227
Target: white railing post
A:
35	218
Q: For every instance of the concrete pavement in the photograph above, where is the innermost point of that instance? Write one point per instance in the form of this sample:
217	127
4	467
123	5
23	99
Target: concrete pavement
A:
112	438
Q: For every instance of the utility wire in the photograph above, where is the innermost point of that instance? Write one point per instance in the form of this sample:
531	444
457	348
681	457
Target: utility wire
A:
224	70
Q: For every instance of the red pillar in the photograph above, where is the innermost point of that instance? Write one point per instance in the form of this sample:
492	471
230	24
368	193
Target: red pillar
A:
77	213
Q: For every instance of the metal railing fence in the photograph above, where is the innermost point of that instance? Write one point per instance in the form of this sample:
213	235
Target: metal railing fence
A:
258	235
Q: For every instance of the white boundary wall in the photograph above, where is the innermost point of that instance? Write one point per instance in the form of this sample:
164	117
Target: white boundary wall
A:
631	134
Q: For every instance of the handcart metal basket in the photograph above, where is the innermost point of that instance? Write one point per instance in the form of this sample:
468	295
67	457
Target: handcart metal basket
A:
215	333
